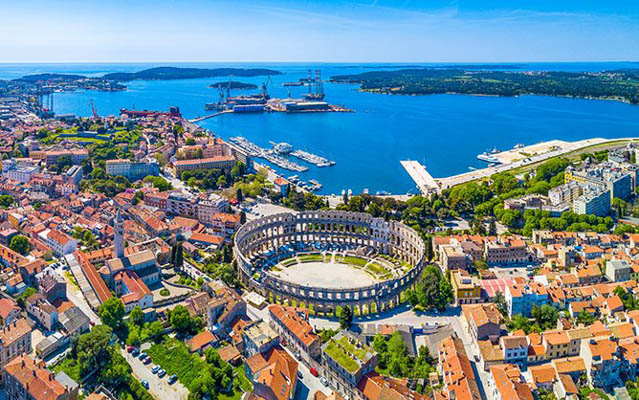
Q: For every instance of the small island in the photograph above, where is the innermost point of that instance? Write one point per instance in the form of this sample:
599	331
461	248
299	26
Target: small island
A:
233	85
620	85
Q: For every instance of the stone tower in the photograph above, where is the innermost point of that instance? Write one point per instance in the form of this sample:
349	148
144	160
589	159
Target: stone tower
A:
118	240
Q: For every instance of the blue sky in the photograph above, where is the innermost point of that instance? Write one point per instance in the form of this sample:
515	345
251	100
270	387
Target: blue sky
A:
323	31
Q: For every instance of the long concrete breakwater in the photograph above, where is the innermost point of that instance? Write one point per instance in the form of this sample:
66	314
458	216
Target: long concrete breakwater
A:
511	159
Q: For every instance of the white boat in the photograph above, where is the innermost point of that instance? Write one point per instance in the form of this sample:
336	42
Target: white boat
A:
283	148
518	146
487	158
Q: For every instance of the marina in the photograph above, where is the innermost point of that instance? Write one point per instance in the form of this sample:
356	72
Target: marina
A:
256	151
312	158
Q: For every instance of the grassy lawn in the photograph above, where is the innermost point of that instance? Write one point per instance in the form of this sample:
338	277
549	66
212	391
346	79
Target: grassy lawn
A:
289	262
174	357
312	257
376	268
242	381
360	262
70	367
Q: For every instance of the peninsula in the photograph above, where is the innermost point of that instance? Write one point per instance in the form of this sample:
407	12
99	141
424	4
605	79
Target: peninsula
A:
233	85
620	85
166	73
157	73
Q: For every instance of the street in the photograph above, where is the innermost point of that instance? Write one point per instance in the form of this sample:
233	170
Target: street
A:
74	294
159	387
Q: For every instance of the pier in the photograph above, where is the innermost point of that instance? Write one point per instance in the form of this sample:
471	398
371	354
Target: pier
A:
423	179
198	119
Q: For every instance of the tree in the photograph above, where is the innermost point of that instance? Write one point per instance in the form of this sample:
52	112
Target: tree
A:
20	244
181	320
500	302
546	316
28	292
112	312
92	349
190	142
136	317
239	196
345	317
158	182
242	217
63	163
584	317
492	227
6	200
519	322
177	255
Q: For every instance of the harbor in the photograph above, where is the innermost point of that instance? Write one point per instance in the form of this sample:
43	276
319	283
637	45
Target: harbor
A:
277	156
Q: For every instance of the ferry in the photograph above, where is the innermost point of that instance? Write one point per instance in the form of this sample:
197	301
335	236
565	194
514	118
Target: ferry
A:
487	157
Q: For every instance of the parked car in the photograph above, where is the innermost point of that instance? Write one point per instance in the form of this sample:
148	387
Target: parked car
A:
135	352
299	374
161	373
172	379
155	369
130	349
324	381
298	355
314	372
145	384
147	360
142	356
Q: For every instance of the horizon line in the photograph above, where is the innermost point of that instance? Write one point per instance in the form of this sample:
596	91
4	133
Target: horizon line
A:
320	62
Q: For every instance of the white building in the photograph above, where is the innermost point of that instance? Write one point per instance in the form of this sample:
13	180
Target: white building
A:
61	243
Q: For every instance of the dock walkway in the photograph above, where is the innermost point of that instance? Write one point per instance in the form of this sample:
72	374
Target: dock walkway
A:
425	182
198	119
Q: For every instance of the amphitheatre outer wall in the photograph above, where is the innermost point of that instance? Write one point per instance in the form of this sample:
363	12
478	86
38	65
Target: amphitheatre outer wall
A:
268	235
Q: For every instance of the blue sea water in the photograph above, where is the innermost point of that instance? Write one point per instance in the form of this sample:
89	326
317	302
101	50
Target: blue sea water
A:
446	132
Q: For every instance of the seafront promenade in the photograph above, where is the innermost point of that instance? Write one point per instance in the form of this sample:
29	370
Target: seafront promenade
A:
511	160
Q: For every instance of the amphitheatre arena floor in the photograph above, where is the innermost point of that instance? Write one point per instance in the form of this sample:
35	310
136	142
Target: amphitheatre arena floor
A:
326	275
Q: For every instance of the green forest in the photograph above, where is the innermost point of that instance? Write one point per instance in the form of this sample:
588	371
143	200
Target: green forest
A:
622	85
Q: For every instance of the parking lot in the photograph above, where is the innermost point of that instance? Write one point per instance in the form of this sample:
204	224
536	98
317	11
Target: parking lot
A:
159	387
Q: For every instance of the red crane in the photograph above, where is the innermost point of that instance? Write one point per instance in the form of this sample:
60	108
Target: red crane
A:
93	109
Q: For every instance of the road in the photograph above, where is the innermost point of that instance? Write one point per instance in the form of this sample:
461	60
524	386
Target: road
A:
159	387
74	294
308	385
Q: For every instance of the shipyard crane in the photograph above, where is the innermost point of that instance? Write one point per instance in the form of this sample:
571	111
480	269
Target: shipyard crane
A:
309	82
267	82
319	85
93	109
